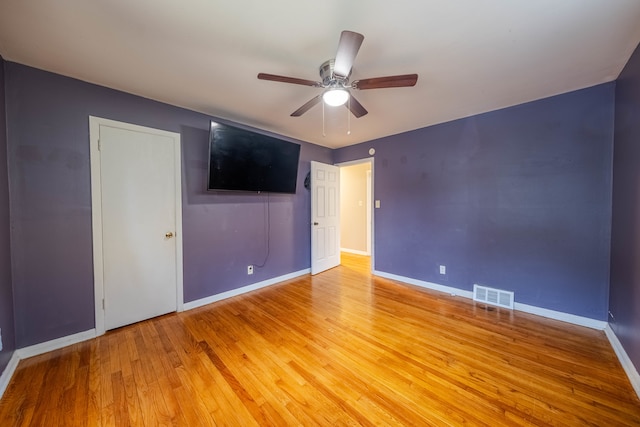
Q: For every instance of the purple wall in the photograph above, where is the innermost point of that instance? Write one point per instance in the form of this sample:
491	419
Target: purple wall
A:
6	295
624	296
51	204
225	232
516	199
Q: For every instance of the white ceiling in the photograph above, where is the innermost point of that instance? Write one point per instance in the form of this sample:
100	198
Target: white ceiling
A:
472	56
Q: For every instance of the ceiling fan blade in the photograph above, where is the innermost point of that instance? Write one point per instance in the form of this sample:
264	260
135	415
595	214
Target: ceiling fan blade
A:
404	80
355	107
284	79
348	47
306	107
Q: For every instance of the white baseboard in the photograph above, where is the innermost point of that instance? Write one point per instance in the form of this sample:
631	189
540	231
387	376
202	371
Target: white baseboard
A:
354	251
624	359
235	292
8	372
429	285
563	317
551	314
45	347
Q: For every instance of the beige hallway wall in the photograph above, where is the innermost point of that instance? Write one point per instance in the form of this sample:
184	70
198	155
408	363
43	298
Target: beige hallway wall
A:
353	207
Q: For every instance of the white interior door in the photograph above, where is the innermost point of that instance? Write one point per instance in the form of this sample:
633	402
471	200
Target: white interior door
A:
139	202
369	227
325	217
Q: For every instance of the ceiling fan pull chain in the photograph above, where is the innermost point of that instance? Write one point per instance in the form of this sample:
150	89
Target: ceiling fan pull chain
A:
349	117
323	133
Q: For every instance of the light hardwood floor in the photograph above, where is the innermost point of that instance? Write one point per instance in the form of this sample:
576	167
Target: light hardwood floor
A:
341	348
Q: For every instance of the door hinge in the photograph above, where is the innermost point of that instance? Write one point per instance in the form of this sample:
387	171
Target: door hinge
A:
99	146
103	303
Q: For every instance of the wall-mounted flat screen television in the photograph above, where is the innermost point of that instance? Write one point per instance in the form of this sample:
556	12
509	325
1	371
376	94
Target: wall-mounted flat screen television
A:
241	160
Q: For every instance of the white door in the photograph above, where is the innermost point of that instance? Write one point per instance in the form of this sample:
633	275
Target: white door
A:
139	222
325	217
369	227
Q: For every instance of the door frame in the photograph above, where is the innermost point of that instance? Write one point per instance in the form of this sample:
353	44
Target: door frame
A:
96	211
369	214
371	201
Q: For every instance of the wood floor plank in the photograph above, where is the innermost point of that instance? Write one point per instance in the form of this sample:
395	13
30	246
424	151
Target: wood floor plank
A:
339	348
131	398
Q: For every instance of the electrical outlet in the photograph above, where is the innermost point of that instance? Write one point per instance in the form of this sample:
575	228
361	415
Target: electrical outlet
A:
250	269
443	269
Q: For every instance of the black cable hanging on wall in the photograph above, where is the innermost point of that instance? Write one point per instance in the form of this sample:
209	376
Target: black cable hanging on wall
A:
267	226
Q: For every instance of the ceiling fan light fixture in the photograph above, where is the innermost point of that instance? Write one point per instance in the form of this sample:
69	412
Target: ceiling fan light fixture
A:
335	97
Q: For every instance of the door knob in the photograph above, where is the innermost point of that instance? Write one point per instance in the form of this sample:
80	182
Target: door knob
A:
168	235
315	223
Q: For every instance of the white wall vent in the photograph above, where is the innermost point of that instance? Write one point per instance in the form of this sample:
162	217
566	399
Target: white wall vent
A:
493	296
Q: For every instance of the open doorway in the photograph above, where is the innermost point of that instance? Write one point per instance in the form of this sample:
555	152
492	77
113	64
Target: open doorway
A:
356	202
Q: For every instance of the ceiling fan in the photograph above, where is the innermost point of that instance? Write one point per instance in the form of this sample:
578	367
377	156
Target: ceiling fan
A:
335	75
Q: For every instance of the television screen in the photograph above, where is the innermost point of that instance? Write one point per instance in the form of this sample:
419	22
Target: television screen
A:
241	160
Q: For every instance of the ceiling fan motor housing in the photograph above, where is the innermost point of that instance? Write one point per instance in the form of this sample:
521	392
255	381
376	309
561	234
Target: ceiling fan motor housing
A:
329	79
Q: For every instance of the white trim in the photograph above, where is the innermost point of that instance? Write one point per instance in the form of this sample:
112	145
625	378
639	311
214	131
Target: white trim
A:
178	215
58	343
369	210
8	372
372	200
624	359
429	285
96	223
563	317
235	292
96	211
354	251
551	314
355	162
